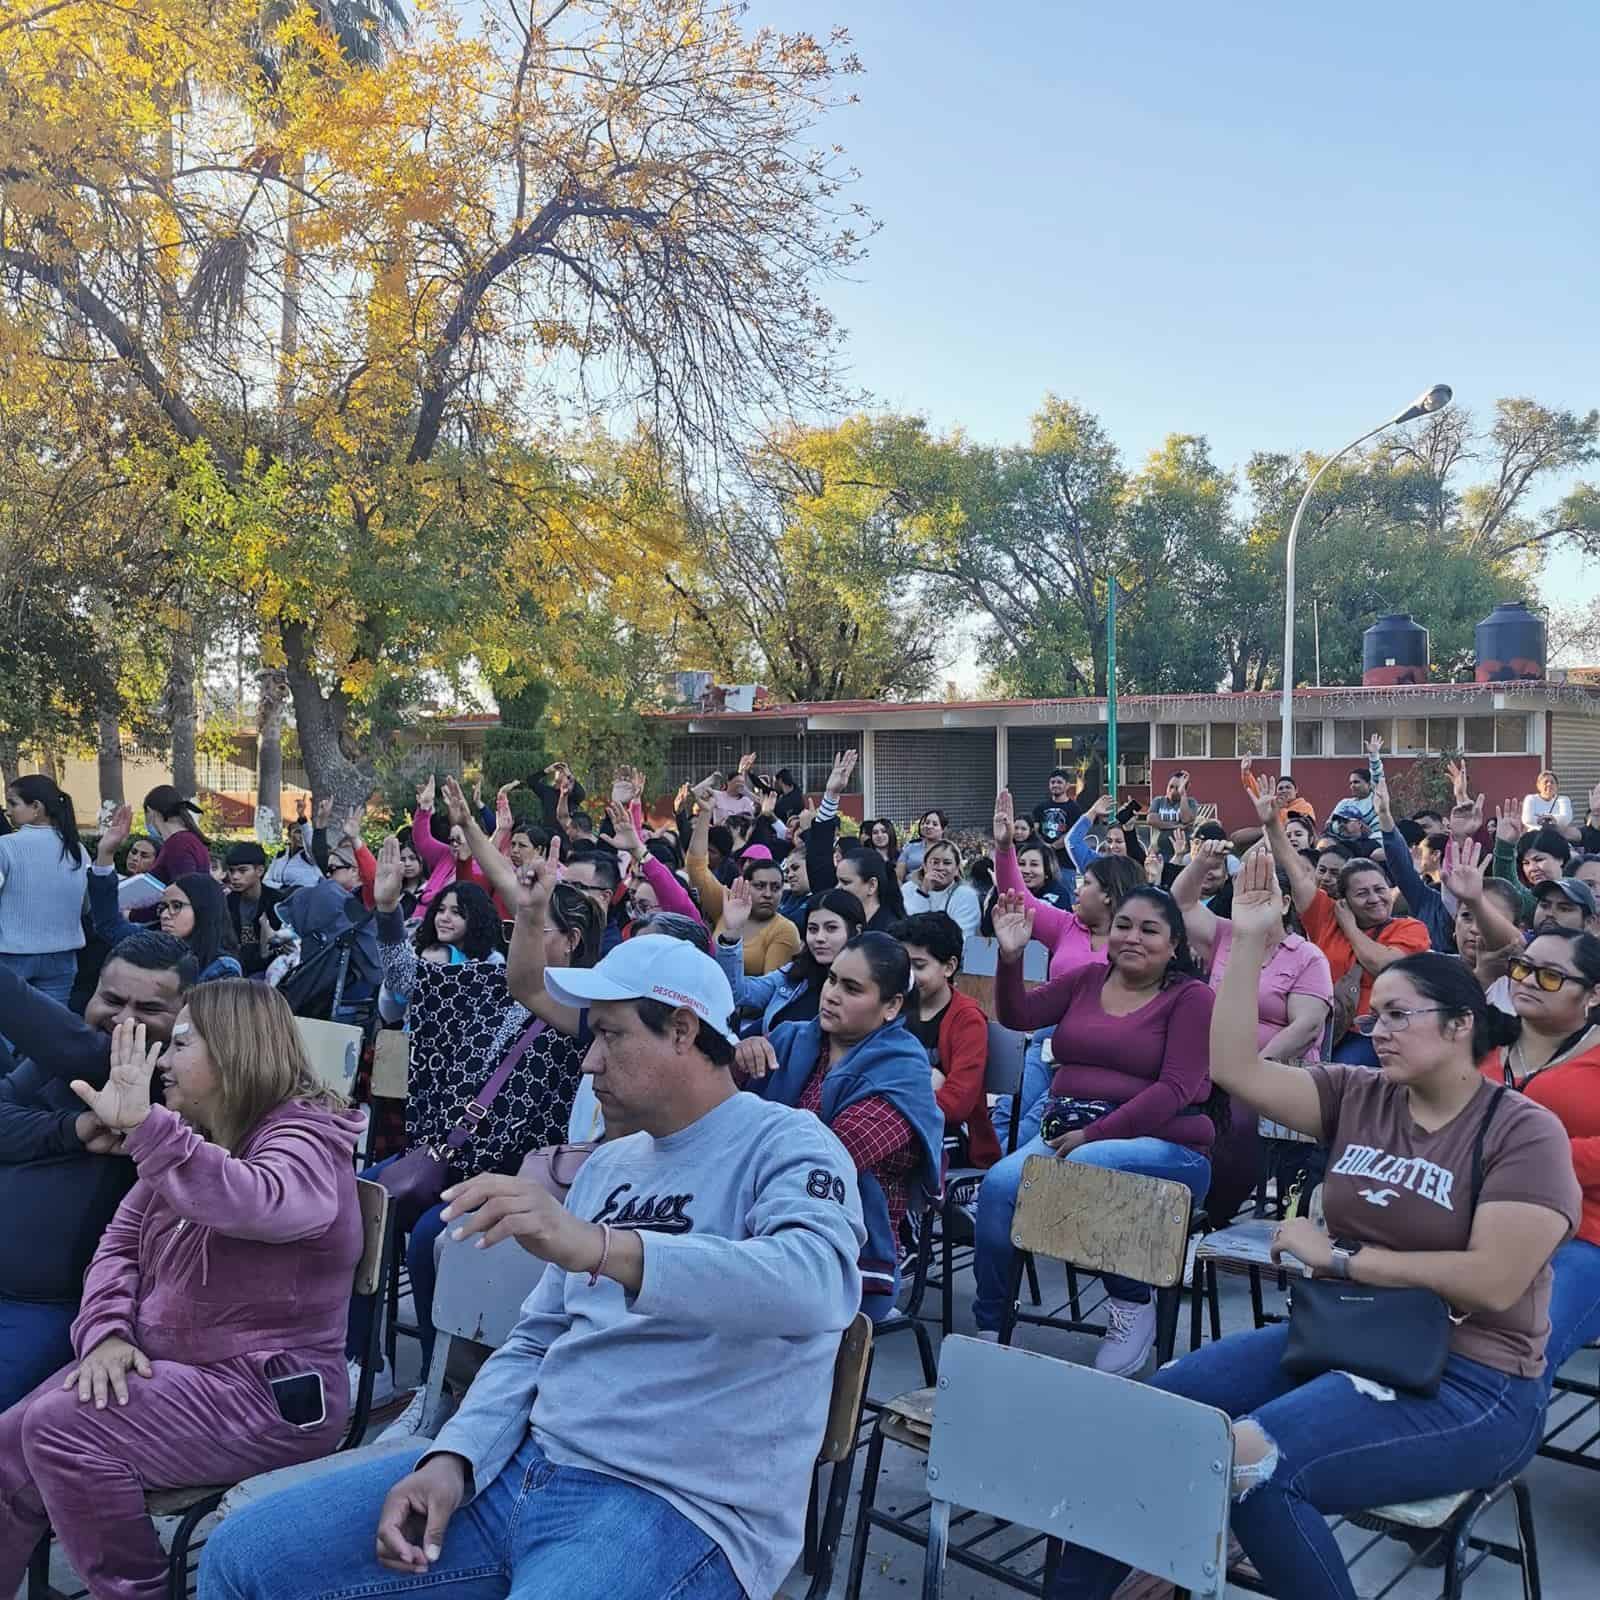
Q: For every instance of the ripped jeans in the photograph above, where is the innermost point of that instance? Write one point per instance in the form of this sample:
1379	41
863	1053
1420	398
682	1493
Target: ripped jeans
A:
1339	1448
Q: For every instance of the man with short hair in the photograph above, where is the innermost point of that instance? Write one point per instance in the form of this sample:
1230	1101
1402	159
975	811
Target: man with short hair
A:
649	1427
1053	817
598	873
1565	903
1359	804
251	904
61	1174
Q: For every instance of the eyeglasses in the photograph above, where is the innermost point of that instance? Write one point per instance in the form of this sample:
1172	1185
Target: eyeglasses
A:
174	906
1550	979
1395	1021
336	865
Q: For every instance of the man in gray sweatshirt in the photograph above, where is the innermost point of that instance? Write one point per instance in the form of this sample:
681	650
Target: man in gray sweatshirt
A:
650	1425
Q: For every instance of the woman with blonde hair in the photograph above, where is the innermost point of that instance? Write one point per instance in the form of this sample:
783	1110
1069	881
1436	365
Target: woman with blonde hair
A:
210	1343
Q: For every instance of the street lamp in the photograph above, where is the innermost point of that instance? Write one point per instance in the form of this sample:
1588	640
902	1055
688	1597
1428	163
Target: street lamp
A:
1436	399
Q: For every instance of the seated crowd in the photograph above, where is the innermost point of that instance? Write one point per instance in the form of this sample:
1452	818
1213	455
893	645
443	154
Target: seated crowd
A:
742	1021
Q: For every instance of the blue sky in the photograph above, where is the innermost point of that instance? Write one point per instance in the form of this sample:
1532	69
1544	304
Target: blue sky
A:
1270	223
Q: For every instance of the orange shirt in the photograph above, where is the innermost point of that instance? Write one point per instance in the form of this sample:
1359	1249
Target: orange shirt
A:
1404	934
1572	1092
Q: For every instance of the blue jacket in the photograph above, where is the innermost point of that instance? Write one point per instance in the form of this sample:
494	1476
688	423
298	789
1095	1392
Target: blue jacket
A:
892	1064
768	994
1426	903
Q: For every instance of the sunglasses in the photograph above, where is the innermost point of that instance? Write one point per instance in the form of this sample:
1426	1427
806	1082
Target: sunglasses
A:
1550	979
335	864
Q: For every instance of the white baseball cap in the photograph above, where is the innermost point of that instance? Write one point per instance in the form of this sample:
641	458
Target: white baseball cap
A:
669	970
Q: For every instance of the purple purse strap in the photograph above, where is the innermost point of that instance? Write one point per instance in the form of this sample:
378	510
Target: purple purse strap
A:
477	1109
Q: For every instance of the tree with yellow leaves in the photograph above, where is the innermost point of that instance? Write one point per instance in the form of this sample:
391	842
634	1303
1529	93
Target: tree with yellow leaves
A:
517	220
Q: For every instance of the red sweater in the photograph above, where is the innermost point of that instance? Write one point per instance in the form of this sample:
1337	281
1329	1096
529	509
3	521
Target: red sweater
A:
963	1058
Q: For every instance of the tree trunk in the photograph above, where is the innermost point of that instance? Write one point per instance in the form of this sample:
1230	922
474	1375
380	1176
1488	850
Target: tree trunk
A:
181	710
108	754
289	321
332	773
272	693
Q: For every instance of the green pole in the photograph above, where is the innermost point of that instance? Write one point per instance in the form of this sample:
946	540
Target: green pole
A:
1111	690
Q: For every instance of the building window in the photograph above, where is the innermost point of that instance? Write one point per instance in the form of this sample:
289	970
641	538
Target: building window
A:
1347	739
1477	735
1411	735
1192	741
1222	741
1252	739
1308	738
1443	734
1511	735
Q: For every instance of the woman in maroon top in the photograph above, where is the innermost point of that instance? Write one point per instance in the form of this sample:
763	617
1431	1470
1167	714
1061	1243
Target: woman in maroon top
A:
1133	1034
183	847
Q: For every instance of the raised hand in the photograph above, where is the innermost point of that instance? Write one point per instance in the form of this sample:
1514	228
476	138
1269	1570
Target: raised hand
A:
1375	745
623	833
1463	871
1154	868
325	811
116	832
1013	923
390	880
746	762
1508	824
1265	803
539	876
769	802
844	765
125	1101
1257	903
1005	819
706	788
456	803
1380	798
426	793
623	789
1101	809
477	793
1458	779
679	799
736	908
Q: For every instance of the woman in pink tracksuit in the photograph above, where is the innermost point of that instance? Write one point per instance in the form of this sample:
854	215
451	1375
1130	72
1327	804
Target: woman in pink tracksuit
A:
227	1267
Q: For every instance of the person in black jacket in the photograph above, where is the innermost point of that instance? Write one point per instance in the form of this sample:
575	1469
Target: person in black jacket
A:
252	906
61	1177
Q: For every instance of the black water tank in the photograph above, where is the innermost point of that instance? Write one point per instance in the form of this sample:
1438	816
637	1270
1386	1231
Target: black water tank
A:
1509	644
1394	650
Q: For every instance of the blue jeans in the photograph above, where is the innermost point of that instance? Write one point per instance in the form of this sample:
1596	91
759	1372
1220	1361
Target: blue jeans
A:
997	1203
537	1530
1036	1075
424	1275
1574	1303
1339	1450
33	1343
1356	1050
52	973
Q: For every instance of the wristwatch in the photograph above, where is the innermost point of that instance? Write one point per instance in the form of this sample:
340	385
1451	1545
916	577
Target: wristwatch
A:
1339	1258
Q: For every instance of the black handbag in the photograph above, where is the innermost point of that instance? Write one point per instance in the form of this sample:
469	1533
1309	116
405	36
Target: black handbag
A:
1397	1337
1065	1113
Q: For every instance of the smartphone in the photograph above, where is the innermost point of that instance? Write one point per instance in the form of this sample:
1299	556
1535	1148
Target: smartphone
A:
300	1399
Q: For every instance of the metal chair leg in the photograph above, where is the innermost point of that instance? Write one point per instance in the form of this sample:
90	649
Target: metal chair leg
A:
1214	1301
827	1553
1008	1317
39	1571
1526	1541
947	1288
1072	1294
1033	1280
930	1367
938	1548
869	1490
1196	1295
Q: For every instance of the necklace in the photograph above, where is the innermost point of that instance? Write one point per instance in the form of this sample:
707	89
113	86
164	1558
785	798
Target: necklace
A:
1517	1057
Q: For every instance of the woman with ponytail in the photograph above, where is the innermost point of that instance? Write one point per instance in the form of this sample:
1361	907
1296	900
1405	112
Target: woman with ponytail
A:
171	820
42	868
860	1069
1555	1061
1438	1179
1131	1091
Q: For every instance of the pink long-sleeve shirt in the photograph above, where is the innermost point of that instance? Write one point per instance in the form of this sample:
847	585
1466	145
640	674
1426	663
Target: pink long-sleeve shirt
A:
1063	933
215	1255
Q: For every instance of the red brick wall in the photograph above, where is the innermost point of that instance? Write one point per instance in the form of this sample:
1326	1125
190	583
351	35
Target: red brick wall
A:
1324	780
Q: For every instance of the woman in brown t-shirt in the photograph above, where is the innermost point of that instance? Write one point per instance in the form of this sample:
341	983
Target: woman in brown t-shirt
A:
1398	1205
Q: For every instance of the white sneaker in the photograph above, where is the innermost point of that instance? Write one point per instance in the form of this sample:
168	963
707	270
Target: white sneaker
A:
1129	1339
409	1421
989	1335
382	1383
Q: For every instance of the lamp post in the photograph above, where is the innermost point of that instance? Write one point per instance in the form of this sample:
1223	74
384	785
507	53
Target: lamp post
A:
1436	399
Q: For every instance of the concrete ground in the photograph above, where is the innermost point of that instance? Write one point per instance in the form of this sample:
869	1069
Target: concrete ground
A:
1566	1498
